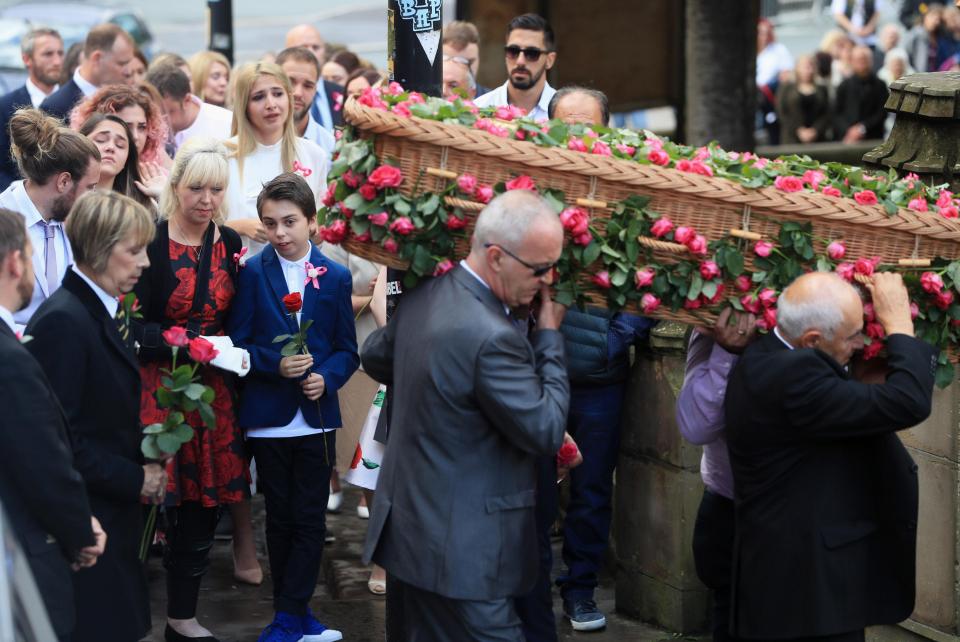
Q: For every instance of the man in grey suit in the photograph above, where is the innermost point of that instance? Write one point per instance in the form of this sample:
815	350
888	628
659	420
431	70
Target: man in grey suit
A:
475	402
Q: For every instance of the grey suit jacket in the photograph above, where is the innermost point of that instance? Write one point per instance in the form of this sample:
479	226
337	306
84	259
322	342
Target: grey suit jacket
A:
475	403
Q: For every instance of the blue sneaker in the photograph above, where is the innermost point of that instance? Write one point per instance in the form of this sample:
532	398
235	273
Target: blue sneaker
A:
313	631
284	628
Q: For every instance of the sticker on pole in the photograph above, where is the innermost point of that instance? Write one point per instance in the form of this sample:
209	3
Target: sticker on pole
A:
424	15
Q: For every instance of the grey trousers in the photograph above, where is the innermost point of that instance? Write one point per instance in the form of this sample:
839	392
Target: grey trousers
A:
415	615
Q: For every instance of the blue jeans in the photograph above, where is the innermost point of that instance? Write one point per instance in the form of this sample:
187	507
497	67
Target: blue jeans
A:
594	423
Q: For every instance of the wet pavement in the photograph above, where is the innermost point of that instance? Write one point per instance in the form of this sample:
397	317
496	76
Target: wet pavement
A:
238	613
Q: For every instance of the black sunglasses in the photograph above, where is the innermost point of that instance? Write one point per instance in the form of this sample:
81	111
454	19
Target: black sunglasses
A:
532	54
538	270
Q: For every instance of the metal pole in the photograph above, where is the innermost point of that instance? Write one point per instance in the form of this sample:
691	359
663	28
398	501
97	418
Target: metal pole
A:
220	22
414	56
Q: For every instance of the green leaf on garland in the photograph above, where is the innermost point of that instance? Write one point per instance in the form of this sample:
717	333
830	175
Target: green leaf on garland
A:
591	253
353	201
890	207
555	199
430	205
945	374
709	289
696	287
618	278
422	262
823	264
148	446
402	206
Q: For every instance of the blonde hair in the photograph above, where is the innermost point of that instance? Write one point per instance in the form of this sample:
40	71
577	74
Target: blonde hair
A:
200	161
241	127
99	220
200	65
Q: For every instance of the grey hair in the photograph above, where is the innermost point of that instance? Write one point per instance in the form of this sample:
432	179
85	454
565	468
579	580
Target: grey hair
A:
569	90
507	218
29	40
822	313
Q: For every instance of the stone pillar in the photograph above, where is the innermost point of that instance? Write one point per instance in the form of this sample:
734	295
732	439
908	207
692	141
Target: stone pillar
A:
657	494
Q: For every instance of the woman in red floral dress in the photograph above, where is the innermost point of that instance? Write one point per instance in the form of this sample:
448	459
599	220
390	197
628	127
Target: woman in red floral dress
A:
191	283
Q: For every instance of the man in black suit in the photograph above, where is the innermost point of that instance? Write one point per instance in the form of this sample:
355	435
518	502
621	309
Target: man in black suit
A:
826	495
42	494
325	109
107	53
453	520
859	112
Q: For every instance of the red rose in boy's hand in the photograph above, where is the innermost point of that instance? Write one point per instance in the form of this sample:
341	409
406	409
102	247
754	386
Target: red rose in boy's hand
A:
176	336
292	302
202	351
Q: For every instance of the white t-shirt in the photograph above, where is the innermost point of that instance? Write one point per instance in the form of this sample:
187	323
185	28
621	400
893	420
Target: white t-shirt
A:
212	122
263	165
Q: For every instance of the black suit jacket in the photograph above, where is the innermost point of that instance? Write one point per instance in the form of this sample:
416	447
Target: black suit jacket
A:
10	103
42	493
826	495
97	380
860	100
330	89
60	103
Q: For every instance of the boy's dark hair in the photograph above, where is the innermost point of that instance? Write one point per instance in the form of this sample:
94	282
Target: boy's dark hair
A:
289	186
13	233
533	22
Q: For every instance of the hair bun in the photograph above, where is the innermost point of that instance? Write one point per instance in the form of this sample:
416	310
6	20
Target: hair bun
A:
33	133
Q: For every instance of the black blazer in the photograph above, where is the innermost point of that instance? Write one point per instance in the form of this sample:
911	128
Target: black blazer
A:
826	495
97	380
157	284
43	495
860	100
329	89
10	103
60	103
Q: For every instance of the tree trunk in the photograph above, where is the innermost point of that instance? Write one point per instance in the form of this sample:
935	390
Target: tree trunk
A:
721	60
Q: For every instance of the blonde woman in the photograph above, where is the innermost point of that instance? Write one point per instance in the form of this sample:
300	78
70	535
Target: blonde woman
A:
264	144
210	77
191	283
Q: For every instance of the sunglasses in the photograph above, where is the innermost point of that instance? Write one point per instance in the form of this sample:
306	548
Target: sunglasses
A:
532	54
538	270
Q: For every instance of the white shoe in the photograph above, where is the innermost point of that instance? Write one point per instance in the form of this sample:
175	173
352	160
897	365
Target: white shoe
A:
330	635
363	512
335	501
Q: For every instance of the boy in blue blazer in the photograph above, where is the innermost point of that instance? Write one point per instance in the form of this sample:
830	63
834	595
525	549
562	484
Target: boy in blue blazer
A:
289	405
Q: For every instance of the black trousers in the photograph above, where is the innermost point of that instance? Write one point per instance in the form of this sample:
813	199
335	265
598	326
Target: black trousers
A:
712	555
535	609
190	529
294	474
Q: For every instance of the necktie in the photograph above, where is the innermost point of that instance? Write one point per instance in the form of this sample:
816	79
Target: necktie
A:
123	324
50	256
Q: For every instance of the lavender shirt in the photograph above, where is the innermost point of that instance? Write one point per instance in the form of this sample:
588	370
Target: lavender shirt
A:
700	409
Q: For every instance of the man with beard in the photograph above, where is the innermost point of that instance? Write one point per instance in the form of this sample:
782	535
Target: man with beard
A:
52	519
303	70
59	165
530	53
42	53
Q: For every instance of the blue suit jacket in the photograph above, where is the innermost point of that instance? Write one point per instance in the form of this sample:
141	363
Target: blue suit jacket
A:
10	103
258	316
60	103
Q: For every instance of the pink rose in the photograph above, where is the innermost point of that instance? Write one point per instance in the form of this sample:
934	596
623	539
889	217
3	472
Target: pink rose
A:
503	113
659	157
914	310
788	183
698	245
402	226
390	245
763	248
403	109
931	282
416	98
626	150
467	183
366	237
702	154
575	220
202	351
945	198
329	199
335	232
699	167
443	267
176	337
600	148
948	211
845	271
521	182
866	197
864	267
836	250
499	131
692	304
743	283
602	280
875	330
484	193
832	191
649	303
709	270
380	218
684	234
767	297
943	300
576	144
813	178
583	239
455	223
653	142
395	88
918	204
368	192
351	179
661	227
386	176
751	303
643	278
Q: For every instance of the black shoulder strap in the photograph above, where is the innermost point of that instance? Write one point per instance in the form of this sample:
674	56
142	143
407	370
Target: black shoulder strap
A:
203	282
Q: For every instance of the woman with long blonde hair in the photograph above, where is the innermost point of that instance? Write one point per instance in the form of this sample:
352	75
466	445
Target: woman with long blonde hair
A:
210	77
264	144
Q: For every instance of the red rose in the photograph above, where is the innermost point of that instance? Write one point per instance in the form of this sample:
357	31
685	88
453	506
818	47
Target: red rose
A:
831	191
583	239
661	227
763	248
931	282
643	278
351	179
767	297
602	280
659	157
863	266
575	220
391	246
363	238
402	226
698	244
380	219
454	222
743	283
649	303
335	232
709	270
329	199
845	271
484	193
750	303
788	184
368	191
872	350
293	302
693	304
443	267
202	351
836	250
467	183
943	300
567	454
176	336
521	182
866	197
386	176
875	331
684	234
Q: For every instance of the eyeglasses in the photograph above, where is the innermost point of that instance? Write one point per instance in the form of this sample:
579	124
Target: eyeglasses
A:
532	54
538	270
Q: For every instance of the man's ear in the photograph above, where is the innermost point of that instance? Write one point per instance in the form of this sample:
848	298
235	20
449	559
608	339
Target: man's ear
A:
64	182
551	59
810	339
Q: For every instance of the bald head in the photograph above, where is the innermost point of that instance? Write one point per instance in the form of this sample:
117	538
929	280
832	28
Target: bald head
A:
820	310
306	35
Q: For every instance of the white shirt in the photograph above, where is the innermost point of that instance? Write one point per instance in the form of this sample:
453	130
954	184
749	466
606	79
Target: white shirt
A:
771	61
321	136
87	87
109	301
776	331
857	18
15	198
499	97
211	122
262	166
7	317
36	94
295	273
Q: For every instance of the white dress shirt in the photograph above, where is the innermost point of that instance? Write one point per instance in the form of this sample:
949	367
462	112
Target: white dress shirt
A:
321	136
211	122
16	198
36	94
87	87
295	274
776	331
7	317
499	97
108	300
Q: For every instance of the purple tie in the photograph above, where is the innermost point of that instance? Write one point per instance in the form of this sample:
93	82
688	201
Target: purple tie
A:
50	256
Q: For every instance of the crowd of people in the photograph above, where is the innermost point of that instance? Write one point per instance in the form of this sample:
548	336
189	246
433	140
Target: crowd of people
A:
163	212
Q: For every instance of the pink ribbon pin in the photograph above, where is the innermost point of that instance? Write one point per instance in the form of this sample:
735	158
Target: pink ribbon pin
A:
306	171
337	101
239	255
313	273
